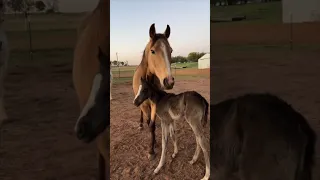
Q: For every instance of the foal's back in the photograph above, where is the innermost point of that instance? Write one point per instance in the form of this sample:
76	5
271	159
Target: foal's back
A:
259	136
190	105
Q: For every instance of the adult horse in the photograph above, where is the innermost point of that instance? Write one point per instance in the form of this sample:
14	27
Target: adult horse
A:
155	66
93	32
4	56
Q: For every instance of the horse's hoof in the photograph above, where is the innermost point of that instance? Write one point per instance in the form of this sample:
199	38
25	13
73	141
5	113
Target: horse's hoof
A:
151	156
140	128
192	162
174	155
205	178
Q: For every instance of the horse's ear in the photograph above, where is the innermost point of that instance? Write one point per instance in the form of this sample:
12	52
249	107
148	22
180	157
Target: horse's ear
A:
167	32
152	31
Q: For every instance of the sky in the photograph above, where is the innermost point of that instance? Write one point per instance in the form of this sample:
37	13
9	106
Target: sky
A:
130	21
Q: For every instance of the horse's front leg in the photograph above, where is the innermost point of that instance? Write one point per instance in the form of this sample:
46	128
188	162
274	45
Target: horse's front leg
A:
152	128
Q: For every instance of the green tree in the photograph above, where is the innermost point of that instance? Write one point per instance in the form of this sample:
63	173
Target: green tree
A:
16	5
40	5
194	56
179	59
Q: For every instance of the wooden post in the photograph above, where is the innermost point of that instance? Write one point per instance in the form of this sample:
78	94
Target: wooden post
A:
26	14
118	65
291	33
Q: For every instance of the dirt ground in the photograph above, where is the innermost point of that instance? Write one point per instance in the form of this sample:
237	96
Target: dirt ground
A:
38	143
129	146
292	75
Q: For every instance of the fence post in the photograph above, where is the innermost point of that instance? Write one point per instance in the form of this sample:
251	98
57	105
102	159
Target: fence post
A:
30	37
291	33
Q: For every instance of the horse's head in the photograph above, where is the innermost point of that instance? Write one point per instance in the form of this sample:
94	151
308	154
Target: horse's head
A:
158	53
94	117
144	92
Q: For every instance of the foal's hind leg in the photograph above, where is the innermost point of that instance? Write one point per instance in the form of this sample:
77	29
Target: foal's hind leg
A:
196	127
196	153
203	145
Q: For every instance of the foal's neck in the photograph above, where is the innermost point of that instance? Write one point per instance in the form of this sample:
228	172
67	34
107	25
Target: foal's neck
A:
157	95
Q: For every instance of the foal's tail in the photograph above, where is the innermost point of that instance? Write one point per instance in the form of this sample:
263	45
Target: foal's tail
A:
205	114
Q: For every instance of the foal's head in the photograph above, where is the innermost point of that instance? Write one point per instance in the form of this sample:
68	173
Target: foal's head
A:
94	117
158	53
145	91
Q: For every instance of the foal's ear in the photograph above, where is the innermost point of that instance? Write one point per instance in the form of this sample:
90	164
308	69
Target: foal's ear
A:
100	54
102	58
152	31
167	32
143	80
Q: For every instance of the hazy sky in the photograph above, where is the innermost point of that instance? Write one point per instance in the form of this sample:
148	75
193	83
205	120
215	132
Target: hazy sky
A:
130	22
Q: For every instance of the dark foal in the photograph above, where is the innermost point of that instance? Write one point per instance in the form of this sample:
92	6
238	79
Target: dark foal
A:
95	116
190	106
260	137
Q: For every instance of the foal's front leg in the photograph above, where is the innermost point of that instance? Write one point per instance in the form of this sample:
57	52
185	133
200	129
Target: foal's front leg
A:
165	133
174	139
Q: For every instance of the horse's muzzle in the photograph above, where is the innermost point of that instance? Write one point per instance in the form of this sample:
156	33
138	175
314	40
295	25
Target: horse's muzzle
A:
168	82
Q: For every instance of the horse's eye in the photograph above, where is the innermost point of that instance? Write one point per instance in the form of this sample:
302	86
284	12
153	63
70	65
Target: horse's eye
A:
153	52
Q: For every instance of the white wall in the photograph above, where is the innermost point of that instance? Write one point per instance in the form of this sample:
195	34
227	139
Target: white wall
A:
203	63
74	6
302	11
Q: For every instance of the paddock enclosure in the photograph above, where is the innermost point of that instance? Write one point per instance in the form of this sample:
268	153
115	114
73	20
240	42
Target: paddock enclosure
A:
38	141
129	145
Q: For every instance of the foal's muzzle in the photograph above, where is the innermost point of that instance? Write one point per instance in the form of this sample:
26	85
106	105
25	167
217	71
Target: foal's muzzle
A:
83	133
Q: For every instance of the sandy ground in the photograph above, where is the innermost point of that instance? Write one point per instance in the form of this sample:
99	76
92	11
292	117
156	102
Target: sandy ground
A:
129	146
38	143
292	75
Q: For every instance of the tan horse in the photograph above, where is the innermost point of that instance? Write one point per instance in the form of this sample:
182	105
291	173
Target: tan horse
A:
92	33
156	67
4	57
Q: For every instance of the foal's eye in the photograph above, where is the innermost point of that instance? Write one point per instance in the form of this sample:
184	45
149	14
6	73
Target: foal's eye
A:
153	52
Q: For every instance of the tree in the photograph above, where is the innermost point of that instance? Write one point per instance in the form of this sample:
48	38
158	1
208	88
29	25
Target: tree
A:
40	5
115	63
122	63
52	6
16	5
194	56
179	59
20	5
